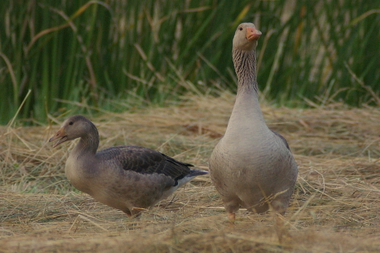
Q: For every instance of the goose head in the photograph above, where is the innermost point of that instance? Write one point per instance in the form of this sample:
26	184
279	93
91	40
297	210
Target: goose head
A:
74	127
246	36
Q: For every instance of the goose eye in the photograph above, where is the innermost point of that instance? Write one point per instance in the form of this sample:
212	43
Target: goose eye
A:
71	123
240	28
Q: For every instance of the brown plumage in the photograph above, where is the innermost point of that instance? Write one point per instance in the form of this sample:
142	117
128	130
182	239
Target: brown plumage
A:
129	178
251	166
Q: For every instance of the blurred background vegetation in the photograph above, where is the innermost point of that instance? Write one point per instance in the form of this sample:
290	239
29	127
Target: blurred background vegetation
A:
81	56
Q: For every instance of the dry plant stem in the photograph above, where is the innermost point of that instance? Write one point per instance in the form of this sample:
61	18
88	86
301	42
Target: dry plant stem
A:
334	209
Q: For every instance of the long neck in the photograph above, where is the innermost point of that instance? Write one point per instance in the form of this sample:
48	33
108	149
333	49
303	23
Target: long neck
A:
245	67
88	143
246	113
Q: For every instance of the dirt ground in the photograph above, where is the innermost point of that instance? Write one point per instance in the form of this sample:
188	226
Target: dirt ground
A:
335	207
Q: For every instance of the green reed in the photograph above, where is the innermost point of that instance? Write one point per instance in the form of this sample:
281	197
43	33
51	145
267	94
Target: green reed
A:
85	56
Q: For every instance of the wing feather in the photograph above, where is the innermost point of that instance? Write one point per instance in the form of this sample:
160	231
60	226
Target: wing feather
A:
145	161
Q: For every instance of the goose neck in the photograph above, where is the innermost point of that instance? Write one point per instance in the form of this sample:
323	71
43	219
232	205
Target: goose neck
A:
88	143
245	68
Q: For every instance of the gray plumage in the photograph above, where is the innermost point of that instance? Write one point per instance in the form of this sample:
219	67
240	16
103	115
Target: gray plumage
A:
251	166
129	178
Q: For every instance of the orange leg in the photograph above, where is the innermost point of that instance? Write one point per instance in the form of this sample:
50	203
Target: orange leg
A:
281	229
231	217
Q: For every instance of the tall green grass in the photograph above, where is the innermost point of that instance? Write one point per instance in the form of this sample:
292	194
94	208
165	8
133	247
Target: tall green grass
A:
83	56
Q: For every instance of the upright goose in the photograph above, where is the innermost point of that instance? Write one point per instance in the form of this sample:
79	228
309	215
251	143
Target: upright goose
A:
129	178
251	166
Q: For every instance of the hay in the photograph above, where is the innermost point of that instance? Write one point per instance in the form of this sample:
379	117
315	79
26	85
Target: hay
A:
334	209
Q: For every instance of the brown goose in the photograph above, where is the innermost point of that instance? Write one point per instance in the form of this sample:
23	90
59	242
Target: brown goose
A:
251	166
129	178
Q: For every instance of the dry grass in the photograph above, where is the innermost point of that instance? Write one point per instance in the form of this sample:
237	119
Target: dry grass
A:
335	206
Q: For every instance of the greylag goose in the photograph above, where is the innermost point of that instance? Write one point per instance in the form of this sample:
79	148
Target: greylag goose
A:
251	166
129	178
